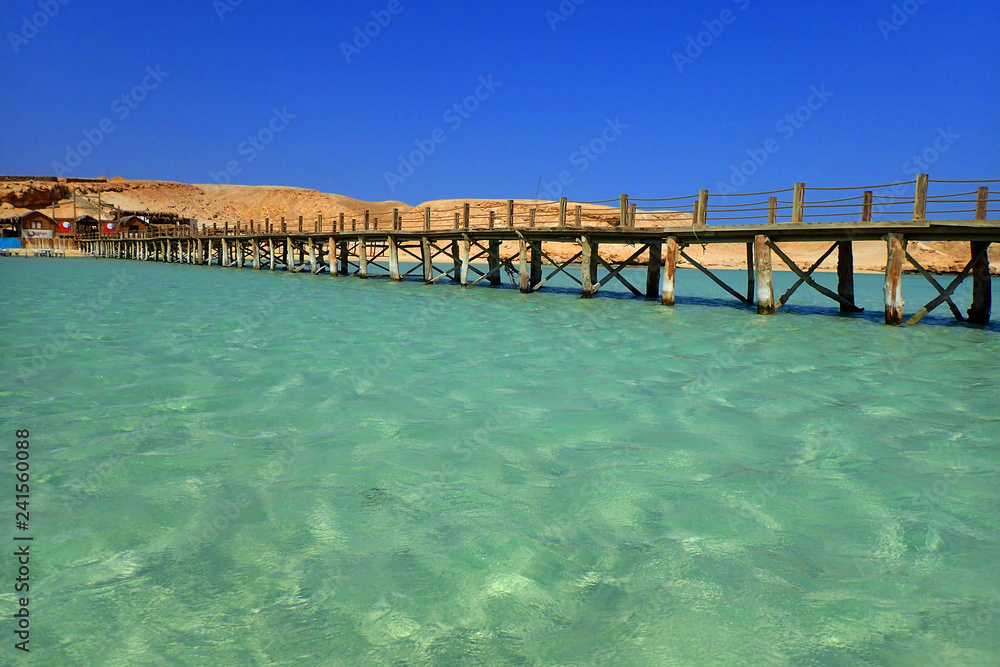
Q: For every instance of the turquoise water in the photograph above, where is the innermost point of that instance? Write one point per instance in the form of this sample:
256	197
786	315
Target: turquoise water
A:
235	467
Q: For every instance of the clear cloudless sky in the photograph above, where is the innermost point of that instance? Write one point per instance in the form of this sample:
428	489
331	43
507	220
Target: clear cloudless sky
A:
893	93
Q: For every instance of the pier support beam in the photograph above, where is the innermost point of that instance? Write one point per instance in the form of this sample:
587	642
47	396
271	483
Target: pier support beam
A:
427	255
270	255
225	253
456	259
536	263
893	288
466	249
256	255
588	267
345	263
331	258
524	279
653	271
670	273
394	254
764	282
289	255
240	254
313	266
845	274
362	258
494	262
982	295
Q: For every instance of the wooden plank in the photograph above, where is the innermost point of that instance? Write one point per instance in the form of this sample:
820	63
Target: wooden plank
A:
670	273
893	288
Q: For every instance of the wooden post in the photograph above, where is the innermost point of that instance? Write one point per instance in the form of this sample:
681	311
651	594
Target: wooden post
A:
427	219
653	270
772	211
623	211
696	218
982	295
394	259
256	254
465	216
588	268
536	263
631	214
426	253
225	252
493	218
493	257
465	249
458	220
531	218
920	199
340	222
579	216
524	280
670	272
702	208
362	258
893	289
354	224
510	212
290	255
368	218
300	224
395	219
345	263
319	224
313	266
375	224
762	267
284	227
331	257
799	203
270	254
751	271
240	255
456	258
563	204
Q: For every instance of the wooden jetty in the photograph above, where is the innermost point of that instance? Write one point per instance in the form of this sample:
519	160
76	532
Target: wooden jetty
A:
453	246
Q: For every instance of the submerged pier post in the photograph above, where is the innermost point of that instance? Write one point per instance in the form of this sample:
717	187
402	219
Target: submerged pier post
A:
394	254
982	295
524	280
653	270
494	262
345	262
763	269
362	258
313	266
240	254
466	248
893	288
536	263
256	255
588	267
456	258
670	272
271	255
426	256
289	255
331	257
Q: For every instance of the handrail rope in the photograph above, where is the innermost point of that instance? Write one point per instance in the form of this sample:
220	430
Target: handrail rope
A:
822	215
756	203
893	197
973	211
954	201
746	217
834	201
811	205
955	194
750	194
997	180
866	187
604	201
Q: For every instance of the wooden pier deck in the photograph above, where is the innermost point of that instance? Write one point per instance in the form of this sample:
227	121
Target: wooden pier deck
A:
660	229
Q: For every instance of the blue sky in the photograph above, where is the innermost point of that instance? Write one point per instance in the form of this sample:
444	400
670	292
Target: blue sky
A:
650	99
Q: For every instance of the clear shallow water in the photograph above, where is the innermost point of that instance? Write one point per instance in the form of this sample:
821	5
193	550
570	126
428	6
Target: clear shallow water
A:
393	474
